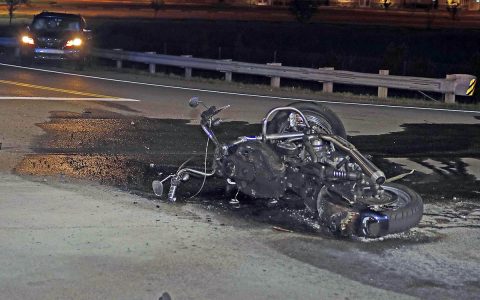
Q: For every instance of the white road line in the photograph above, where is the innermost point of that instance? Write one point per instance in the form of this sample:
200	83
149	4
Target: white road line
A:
243	94
69	99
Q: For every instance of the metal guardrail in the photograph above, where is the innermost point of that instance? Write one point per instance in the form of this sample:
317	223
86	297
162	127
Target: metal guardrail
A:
457	84
335	76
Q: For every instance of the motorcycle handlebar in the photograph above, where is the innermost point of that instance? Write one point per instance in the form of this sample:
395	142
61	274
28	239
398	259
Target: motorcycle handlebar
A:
212	111
208	121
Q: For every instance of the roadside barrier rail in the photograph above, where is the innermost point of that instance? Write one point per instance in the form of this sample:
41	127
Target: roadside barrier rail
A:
453	84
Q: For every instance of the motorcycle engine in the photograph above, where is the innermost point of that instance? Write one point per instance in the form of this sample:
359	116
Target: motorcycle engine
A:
257	170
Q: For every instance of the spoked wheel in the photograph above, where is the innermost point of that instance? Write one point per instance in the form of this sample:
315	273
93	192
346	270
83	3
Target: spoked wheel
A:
320	117
397	210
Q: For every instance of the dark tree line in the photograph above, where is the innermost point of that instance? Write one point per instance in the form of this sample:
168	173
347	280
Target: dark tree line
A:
12	6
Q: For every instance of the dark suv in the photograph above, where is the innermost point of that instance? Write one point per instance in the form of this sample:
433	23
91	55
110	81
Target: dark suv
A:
58	36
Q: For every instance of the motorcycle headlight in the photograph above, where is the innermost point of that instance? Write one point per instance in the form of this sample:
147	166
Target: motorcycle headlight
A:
27	40
74	43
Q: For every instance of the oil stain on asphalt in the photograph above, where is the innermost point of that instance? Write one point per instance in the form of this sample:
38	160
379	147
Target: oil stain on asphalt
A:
131	152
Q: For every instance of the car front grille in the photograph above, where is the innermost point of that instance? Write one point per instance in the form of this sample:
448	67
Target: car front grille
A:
44	42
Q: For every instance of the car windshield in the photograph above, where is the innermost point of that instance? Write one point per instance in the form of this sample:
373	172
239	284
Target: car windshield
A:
56	24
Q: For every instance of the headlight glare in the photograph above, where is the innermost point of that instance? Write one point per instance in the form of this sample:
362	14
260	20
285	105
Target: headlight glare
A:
74	43
27	40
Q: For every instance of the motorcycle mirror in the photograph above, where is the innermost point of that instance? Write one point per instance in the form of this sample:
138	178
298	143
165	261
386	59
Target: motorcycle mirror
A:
194	101
157	187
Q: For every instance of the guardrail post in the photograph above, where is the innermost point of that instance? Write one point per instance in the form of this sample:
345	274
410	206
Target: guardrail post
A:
275	81
188	71
152	68
328	86
17	52
119	62
383	91
450	96
228	75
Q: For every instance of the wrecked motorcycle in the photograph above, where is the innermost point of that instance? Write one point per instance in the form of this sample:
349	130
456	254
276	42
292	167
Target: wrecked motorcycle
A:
302	150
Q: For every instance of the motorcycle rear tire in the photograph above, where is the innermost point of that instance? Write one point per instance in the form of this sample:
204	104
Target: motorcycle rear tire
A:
316	114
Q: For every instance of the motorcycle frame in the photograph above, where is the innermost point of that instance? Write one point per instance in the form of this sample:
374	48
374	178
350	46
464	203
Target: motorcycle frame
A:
375	174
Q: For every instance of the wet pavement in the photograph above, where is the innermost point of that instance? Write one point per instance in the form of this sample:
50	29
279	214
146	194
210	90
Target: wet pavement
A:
445	156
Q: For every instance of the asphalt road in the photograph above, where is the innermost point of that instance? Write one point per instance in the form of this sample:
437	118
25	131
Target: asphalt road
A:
68	239
167	98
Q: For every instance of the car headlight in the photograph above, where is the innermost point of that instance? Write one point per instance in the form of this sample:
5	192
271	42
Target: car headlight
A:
27	40
74	43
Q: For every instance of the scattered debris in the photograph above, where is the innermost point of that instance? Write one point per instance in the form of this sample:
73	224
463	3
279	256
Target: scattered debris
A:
398	177
281	229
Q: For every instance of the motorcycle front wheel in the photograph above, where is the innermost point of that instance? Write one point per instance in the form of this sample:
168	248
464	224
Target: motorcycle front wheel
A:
319	116
406	212
402	213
